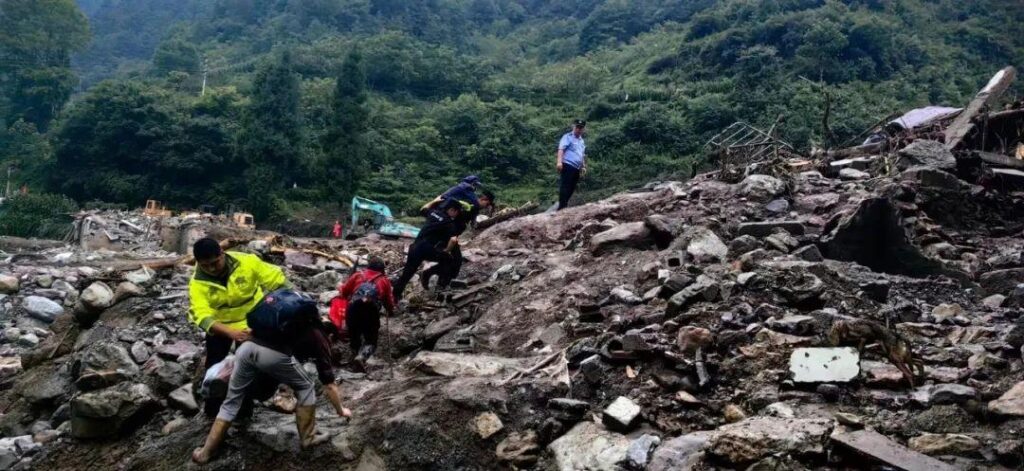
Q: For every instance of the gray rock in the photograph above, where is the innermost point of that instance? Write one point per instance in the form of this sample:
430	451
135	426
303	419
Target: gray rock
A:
926	153
1001	281
42	308
623	295
487	425
621	415
44	281
809	253
12	334
639	452
465	365
850	174
108	412
169	376
630	234
438	328
183	399
176	350
944	444
28	340
777	206
107	356
588	446
9	284
140	352
140	276
944	394
704	245
757	437
704	289
761	187
685	453
1010	403
743	244
97	297
947	312
127	289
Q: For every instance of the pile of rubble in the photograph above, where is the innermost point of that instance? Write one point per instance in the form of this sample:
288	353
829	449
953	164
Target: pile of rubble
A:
805	320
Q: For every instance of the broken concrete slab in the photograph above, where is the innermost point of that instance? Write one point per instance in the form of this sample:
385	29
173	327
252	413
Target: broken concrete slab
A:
964	122
877	446
591	447
824	365
927	154
757	437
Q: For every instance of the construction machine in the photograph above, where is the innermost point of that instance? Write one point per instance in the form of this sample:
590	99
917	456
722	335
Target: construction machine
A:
371	216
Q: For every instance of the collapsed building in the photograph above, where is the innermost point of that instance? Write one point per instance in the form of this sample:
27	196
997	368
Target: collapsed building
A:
847	309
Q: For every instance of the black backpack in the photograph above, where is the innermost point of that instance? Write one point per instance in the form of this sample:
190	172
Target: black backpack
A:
366	294
280	312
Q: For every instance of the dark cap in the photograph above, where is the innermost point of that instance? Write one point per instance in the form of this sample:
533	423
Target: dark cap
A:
579	123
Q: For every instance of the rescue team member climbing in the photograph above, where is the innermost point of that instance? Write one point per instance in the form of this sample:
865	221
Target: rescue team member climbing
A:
222	291
367	291
464	192
435	242
283	324
571	162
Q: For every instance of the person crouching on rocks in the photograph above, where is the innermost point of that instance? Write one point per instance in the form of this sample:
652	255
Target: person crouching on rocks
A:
367	292
282	324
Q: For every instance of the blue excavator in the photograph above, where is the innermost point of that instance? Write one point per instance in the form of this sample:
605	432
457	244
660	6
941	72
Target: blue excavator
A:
371	216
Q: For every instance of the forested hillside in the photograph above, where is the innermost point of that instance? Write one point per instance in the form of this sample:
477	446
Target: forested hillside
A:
309	101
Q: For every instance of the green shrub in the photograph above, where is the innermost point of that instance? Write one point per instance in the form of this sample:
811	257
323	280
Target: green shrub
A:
42	215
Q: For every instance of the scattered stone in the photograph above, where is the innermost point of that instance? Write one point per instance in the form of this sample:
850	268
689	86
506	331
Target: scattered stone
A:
851	420
28	340
824	365
42	308
107	412
944	444
175	350
704	288
465	365
757	437
139	277
704	245
777	206
944	394
639	452
588	446
743	244
767	228
487	425
809	253
733	413
684	453
624	295
1010	403
10	284
183	399
97	297
760	187
945	313
621	415
691	338
108	356
173	426
126	289
630	234
850	174
140	352
519	448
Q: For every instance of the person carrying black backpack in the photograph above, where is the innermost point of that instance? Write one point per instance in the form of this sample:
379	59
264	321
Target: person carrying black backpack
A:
367	291
283	324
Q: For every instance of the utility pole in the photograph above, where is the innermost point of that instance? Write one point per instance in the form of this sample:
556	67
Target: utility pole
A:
7	191
205	70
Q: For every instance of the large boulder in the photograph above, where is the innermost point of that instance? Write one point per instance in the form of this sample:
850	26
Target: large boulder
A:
755	438
926	153
1001	281
42	308
630	234
455	365
111	411
107	356
761	187
591	447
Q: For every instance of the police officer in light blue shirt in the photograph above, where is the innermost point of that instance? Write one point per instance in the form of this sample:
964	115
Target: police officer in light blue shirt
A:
572	164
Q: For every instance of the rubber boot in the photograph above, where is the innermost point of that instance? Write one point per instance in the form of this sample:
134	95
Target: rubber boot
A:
219	429
305	421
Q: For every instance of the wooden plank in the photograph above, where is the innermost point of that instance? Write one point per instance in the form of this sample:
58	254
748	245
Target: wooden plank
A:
963	124
877	446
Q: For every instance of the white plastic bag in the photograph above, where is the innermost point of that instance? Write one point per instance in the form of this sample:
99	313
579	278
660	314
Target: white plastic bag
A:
215	383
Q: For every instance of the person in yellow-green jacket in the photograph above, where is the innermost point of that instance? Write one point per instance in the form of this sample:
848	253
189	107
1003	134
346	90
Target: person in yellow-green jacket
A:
224	288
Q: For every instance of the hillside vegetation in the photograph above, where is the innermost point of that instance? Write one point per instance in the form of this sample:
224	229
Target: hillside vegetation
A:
308	102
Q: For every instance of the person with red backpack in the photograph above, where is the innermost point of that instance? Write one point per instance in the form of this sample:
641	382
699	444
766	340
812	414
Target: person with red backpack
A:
367	291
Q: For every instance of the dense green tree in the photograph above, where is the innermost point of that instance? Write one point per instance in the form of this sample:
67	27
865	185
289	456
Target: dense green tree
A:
42	215
344	144
36	42
176	55
270	140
